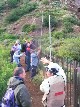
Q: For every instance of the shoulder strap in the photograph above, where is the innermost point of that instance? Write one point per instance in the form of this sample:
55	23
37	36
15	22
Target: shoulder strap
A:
13	87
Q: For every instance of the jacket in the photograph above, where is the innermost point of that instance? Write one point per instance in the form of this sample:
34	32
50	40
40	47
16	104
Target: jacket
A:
21	92
51	86
34	59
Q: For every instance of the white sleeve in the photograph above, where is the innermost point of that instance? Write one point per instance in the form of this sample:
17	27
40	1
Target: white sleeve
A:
44	87
17	55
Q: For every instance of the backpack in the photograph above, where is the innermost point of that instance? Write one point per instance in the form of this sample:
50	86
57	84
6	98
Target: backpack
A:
9	98
56	95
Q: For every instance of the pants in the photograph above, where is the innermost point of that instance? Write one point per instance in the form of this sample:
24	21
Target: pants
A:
11	55
33	71
28	62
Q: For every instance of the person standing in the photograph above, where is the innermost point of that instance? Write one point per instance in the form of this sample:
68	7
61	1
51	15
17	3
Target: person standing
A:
56	66
53	85
22	96
28	56
34	63
16	57
53	89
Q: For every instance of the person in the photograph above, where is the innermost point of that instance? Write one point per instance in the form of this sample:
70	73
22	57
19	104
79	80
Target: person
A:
28	56
34	63
53	89
18	45
56	66
23	61
13	49
24	46
22	96
16	57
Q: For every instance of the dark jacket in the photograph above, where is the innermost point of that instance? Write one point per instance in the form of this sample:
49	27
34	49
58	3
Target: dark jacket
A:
21	92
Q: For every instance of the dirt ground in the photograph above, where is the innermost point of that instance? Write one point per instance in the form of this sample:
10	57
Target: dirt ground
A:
36	94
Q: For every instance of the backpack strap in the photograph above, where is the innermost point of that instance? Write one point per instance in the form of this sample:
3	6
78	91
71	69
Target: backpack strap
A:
13	87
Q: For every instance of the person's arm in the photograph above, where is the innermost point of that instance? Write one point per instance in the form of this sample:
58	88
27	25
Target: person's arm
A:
17	55
24	97
45	61
44	87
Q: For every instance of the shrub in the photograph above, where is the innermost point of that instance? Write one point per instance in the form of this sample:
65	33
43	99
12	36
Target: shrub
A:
2	30
68	23
6	69
38	78
19	12
12	3
2	6
28	28
46	2
58	34
70	48
53	21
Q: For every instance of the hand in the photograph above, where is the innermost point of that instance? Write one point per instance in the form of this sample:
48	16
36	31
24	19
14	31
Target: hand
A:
45	61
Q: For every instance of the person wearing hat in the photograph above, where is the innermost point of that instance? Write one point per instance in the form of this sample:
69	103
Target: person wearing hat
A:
22	96
53	97
56	66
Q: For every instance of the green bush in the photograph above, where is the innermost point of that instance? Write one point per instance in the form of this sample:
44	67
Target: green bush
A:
70	48
2	30
2	7
68	28
53	21
58	34
6	69
12	3
28	28
46	2
20	11
38	78
9	36
56	3
68	23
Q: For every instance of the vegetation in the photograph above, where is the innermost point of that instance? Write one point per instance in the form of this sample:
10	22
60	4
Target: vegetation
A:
28	28
12	3
70	48
20	11
65	41
6	67
53	21
2	6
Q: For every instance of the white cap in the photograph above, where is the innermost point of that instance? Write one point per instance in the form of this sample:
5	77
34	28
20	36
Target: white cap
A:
17	41
54	65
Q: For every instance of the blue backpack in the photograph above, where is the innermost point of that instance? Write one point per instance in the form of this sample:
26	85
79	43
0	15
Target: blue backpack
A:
9	98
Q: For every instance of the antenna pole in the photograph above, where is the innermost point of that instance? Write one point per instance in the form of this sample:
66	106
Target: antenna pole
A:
50	36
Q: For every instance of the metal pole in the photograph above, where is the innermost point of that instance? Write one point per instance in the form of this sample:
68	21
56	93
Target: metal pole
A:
50	36
41	23
41	27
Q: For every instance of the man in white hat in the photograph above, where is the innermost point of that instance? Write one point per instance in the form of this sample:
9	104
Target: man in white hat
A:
53	85
56	66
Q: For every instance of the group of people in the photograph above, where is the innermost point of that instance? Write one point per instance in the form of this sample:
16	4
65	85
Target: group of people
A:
53	85
29	53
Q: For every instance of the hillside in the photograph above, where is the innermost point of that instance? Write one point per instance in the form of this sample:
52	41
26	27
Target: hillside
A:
29	19
33	17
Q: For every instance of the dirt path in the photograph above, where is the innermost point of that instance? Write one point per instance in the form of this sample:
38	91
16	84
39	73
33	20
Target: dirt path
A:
35	92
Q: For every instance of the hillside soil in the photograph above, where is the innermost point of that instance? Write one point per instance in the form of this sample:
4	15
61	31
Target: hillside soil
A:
35	92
